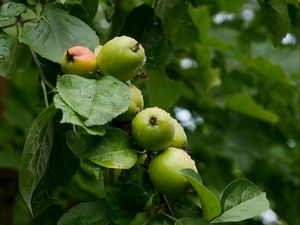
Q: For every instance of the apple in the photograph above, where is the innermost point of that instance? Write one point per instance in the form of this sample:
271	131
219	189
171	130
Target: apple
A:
179	140
153	129
79	60
121	57
163	171
136	104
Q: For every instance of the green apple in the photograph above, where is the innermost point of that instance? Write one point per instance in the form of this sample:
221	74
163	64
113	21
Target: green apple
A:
121	57
163	171
136	104
79	60
179	140
153	129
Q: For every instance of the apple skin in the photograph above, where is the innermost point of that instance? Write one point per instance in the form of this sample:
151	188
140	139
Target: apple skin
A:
180	139
163	171
79	60
136	104
121	57
153	129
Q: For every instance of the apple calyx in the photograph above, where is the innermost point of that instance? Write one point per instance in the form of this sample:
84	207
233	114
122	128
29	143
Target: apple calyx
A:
136	47
70	56
153	120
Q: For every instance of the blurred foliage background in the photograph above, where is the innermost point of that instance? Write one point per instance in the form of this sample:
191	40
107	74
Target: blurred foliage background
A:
228	71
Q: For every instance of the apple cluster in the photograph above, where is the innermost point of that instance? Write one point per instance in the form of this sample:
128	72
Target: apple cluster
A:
153	129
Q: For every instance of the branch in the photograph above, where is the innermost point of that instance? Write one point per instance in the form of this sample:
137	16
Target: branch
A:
39	67
43	77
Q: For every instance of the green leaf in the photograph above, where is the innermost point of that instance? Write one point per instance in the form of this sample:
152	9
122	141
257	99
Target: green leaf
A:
202	19
97	101
279	58
241	200
56	32
11	9
175	21
143	25
6	46
36	154
124	200
70	116
113	150
17	59
209	202
268	71
162	91
90	179
86	213
245	104
192	221
61	167
276	16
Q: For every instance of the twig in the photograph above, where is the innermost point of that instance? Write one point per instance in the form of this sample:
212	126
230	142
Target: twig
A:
169	216
45	93
170	213
39	67
44	80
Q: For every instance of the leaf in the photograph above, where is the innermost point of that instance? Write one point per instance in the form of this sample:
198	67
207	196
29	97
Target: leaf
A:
177	23
56	32
191	221
90	179
209	202
6	46
86	213
245	104
97	101
62	165
241	200
11	9
143	25
70	116
268	71
202	19
36	154
162	92
113	150
277	18
17	60
124	200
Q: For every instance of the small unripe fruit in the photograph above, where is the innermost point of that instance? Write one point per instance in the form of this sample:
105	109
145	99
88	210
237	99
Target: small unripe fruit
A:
121	57
136	104
79	60
153	129
163	171
179	140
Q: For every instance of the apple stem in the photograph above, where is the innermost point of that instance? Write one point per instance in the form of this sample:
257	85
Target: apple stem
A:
70	56
136	47
153	120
